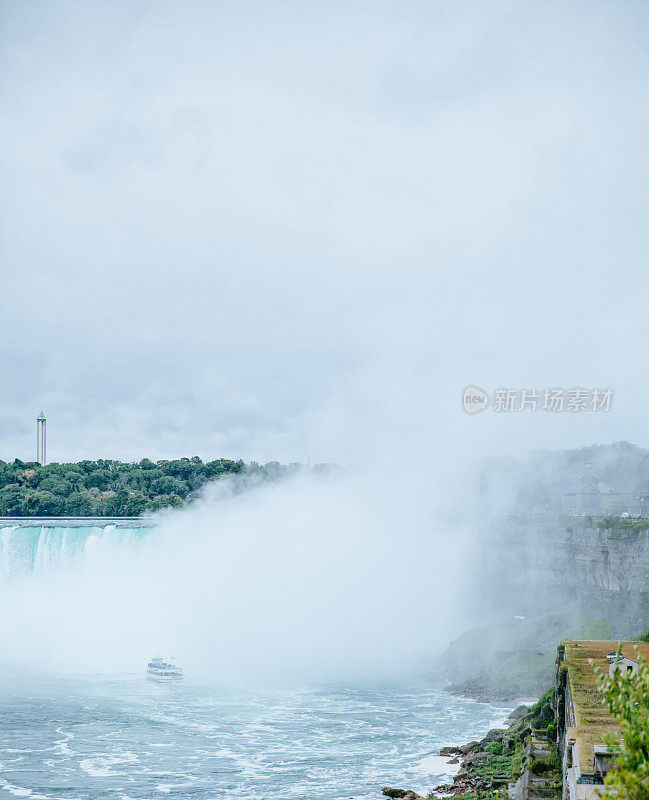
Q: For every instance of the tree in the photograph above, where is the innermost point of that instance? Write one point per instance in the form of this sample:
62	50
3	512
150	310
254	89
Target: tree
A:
169	485
135	504
627	696
80	504
116	505
45	504
112	488
11	500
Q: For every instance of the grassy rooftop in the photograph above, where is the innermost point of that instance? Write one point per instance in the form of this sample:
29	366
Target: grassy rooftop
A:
592	717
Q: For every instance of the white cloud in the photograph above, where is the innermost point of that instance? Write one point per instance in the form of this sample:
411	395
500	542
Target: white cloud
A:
302	229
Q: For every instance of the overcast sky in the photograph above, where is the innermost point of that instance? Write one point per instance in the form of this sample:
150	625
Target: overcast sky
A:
298	230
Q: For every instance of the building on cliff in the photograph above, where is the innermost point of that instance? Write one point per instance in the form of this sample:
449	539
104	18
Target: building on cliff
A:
582	718
590	496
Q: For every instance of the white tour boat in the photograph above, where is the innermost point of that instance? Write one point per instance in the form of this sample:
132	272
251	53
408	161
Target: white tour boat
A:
160	670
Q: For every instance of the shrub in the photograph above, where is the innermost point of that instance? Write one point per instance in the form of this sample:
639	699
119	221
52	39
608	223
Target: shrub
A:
541	766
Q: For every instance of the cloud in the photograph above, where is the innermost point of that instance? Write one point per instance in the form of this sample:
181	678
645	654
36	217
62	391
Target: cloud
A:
301	232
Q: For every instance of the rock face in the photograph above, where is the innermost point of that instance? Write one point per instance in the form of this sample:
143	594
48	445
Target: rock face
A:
451	751
539	564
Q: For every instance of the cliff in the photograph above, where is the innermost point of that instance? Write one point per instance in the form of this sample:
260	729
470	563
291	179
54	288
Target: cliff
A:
534	565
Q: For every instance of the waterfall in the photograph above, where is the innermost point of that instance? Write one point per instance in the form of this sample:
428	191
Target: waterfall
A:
26	549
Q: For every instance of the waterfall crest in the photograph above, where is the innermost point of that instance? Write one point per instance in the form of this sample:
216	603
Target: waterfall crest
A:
26	549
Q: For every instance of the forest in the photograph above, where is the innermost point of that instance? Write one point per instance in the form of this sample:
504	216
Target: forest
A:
108	488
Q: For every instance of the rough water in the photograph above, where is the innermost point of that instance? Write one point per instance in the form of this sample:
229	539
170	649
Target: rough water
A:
95	735
124	737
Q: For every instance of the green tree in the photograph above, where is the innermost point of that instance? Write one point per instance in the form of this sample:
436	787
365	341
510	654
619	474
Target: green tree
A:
113	488
11	500
135	505
37	504
80	504
169	485
164	501
627	696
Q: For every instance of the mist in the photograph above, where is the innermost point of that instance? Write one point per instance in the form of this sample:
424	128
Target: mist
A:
220	239
305	580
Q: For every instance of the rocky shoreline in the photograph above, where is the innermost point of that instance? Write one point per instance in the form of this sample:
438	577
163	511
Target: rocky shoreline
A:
483	693
495	763
477	755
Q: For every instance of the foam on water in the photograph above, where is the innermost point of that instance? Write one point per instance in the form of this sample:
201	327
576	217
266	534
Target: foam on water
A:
89	604
135	740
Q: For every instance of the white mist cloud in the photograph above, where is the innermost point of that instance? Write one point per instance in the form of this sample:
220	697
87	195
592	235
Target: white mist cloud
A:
288	230
309	579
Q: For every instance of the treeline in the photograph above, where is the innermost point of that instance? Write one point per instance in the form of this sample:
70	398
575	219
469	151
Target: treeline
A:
107	488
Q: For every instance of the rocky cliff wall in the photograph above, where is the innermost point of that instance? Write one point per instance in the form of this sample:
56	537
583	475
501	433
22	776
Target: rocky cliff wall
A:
532	565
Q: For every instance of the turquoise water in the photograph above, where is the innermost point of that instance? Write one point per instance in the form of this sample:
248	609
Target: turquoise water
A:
122	737
25	549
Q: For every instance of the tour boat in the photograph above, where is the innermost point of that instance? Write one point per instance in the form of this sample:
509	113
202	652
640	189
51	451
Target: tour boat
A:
162	671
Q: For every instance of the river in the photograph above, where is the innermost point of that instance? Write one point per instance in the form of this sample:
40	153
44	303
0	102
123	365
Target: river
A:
101	732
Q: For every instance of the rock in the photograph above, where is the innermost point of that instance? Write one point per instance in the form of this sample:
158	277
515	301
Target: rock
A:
450	751
517	714
494	735
401	793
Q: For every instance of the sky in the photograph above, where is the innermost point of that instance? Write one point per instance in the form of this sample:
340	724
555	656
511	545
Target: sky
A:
298	230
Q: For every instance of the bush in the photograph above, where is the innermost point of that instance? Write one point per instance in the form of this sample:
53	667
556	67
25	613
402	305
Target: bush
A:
541	714
627	697
541	766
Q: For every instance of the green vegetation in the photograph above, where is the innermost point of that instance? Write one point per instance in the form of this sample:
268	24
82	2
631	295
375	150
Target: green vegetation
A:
498	765
545	766
514	658
644	637
627	697
593	720
479	794
502	755
541	714
622	524
106	488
